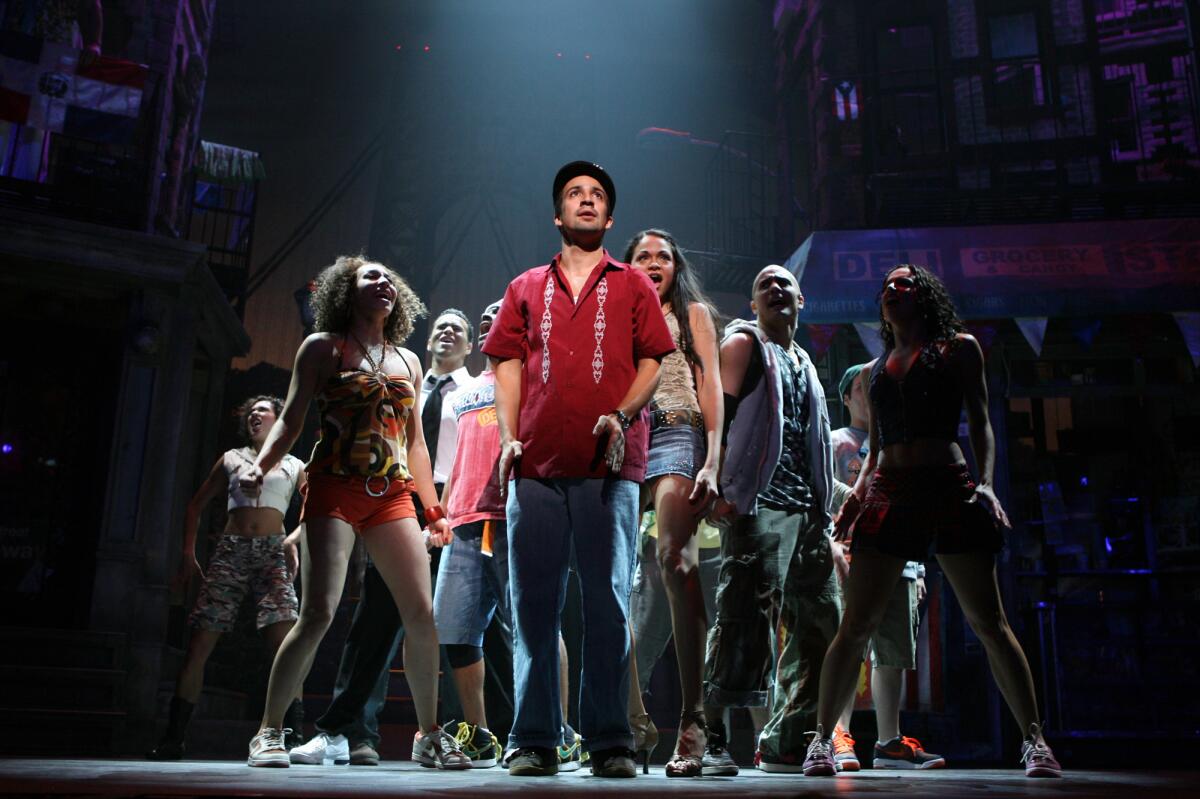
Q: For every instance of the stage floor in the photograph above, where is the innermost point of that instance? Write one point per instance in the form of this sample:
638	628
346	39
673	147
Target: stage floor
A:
212	778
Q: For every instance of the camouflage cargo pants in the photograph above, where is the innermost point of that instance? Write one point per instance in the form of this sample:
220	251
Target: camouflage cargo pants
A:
757	554
812	611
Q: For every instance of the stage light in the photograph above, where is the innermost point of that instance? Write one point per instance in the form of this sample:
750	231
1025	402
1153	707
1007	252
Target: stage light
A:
6	449
558	54
427	48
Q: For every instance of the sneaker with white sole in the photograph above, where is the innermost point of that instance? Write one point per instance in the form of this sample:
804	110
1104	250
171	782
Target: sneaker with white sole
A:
322	750
905	753
844	757
437	749
1036	756
570	751
818	762
477	743
267	749
716	761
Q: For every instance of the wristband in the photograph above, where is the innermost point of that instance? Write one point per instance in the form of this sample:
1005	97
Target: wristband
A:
624	420
433	513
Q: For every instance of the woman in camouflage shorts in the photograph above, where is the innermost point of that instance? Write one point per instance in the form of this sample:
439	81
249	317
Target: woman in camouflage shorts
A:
252	556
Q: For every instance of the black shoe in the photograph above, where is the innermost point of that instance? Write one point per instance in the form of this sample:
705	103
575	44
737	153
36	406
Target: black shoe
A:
171	747
614	762
293	724
533	761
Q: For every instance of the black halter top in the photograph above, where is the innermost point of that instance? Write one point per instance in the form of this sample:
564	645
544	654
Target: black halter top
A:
927	403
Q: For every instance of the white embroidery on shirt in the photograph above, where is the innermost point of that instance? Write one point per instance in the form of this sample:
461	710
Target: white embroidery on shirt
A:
599	325
547	297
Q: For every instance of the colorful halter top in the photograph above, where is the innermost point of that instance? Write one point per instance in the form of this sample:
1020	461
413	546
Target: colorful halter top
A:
363	416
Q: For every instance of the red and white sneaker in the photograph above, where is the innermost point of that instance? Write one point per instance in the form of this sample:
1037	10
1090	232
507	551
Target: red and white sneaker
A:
1036	756
844	758
437	749
905	753
267	749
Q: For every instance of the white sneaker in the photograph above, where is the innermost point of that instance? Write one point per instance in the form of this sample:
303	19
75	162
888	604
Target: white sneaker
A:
267	749
322	750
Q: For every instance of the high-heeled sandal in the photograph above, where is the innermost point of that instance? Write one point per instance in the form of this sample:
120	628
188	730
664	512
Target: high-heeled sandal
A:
645	738
689	749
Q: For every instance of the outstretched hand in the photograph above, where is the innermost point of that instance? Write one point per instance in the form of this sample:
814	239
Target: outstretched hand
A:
614	453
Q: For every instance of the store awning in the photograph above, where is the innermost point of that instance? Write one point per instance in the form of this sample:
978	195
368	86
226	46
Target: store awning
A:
1005	271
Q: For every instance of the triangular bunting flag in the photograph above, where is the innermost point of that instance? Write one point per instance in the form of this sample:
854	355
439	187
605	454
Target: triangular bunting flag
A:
820	337
1034	330
1189	326
869	333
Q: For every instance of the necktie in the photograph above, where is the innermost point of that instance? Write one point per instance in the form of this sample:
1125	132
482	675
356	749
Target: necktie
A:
431	416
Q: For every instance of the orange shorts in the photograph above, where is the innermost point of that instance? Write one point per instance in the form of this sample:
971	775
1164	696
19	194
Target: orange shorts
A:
346	498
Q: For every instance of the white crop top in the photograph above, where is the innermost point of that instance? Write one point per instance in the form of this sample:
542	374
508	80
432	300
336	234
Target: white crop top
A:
278	484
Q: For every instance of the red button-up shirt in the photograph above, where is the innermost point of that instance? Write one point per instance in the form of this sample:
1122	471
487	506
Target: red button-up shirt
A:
579	360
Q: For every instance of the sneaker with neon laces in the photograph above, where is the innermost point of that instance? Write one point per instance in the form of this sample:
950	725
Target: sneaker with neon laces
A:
436	749
844	758
905	753
1036	756
570	751
322	750
477	743
819	760
267	749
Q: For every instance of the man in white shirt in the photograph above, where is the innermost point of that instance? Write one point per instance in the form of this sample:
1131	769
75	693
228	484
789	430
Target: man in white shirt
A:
451	339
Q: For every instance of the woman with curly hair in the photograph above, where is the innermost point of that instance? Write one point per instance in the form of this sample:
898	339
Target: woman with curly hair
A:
251	556
686	416
370	458
914	492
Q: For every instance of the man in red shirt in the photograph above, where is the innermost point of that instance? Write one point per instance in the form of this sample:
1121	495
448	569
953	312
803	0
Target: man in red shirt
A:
576	352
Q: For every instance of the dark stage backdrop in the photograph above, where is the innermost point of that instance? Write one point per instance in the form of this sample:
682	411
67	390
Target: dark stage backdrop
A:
508	92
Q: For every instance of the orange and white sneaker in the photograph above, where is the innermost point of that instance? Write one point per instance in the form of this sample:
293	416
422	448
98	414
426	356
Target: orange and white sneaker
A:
438	749
905	752
267	749
844	758
1036	756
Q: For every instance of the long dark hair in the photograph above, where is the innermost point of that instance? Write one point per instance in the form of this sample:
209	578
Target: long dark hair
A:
933	304
685	290
333	301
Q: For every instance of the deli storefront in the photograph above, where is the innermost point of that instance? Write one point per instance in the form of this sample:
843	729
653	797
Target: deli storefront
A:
1092	338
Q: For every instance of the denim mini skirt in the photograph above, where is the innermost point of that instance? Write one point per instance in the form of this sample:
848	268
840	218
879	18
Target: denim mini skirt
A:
675	449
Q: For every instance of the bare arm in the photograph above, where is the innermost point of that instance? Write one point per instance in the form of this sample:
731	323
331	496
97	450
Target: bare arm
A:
312	359
508	411
214	484
708	393
969	358
420	465
736	351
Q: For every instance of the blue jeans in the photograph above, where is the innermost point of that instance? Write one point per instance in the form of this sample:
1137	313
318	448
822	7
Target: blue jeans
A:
546	518
471	586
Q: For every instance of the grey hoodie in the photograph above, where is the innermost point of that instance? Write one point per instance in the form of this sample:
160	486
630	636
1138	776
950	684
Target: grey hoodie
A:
756	434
